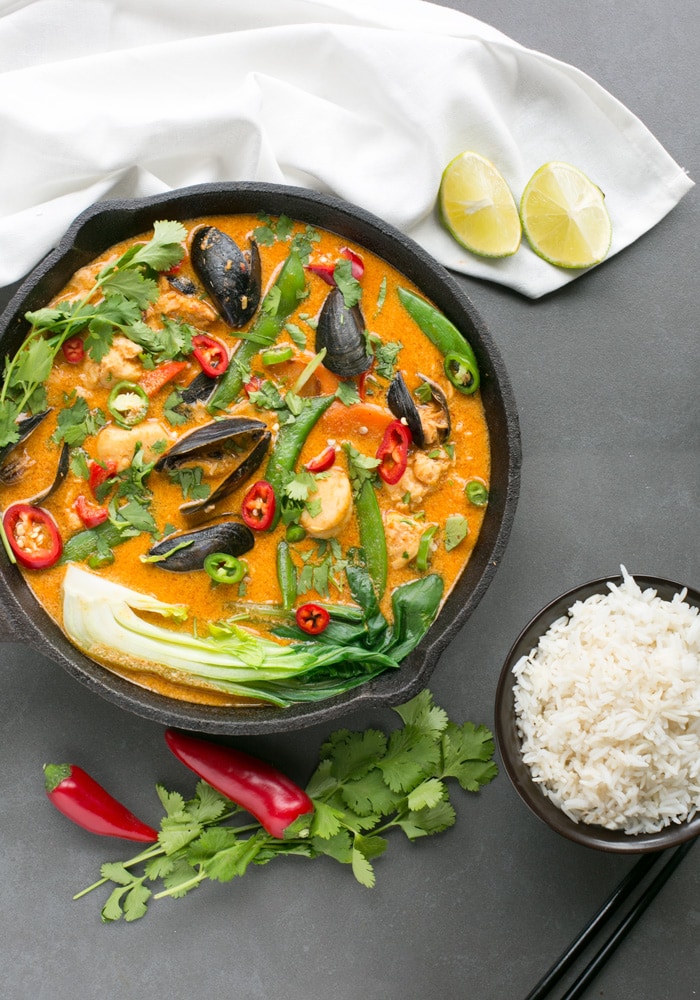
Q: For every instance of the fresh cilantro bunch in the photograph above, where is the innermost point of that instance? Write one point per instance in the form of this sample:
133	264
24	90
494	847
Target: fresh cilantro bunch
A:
121	291
365	785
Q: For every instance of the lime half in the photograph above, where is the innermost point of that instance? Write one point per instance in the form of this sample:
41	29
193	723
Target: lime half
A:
564	216
477	207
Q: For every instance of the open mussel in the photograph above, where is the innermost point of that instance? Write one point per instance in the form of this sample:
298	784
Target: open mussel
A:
231	277
228	451
61	473
341	331
14	461
428	420
186	550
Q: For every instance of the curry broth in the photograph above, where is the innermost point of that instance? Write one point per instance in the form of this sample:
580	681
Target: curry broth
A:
362	424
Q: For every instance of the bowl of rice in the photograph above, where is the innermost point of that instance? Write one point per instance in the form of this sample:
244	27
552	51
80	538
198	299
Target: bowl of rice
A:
598	714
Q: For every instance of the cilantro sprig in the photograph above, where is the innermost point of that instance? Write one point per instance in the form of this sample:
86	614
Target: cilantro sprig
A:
366	784
121	290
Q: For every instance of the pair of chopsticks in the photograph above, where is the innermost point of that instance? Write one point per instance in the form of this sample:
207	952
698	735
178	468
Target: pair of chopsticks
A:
626	887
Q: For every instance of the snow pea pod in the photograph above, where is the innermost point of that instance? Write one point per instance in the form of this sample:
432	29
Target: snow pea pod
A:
279	303
372	535
461	366
286	575
287	448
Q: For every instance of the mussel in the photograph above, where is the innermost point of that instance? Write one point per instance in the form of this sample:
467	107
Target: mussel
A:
341	330
429	422
61	473
186	550
182	284
13	462
229	451
232	278
198	391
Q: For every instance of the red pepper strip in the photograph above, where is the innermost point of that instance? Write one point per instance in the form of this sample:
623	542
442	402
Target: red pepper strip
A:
99	474
312	618
325	270
74	350
393	452
210	354
33	535
281	807
154	380
252	385
258	507
362	382
81	799
323	461
91	514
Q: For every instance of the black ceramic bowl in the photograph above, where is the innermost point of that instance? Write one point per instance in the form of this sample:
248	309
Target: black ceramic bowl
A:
508	740
107	223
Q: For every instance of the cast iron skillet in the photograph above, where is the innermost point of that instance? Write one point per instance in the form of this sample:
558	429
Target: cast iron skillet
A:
109	222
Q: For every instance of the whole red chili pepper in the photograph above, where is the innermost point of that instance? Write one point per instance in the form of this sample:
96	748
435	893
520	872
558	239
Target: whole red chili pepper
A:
281	807
82	800
393	452
258	507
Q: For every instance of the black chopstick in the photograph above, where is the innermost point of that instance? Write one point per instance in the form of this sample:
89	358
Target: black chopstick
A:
618	896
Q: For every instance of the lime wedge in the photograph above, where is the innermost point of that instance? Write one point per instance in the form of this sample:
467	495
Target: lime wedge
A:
564	216
477	207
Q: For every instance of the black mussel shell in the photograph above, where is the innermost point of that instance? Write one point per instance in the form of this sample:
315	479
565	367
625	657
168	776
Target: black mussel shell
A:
341	330
250	438
198	391
403	406
12	466
190	548
61	473
232	278
182	284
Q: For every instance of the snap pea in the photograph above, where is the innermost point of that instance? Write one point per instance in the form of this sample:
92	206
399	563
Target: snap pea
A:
287	448
286	575
372	537
461	366
279	303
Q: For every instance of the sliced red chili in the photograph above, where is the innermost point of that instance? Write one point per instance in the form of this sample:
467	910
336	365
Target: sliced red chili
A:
393	452
74	350
154	380
280	806
323	461
91	514
259	504
99	474
33	535
312	618
325	269
252	385
362	382
82	800
210	354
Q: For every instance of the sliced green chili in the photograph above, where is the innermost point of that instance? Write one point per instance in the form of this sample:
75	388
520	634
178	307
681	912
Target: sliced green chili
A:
372	537
423	555
295	533
286	575
279	303
446	337
128	404
276	355
477	493
225	568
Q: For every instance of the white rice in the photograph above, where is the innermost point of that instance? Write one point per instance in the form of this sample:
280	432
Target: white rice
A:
608	710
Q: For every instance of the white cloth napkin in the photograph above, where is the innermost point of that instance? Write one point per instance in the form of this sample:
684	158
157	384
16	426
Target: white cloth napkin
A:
367	99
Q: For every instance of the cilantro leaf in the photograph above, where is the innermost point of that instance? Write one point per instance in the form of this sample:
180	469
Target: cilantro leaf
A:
423	715
350	287
353	754
410	757
385	356
424	822
370	794
77	422
190	482
467	752
456	530
347	393
427	794
360	467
